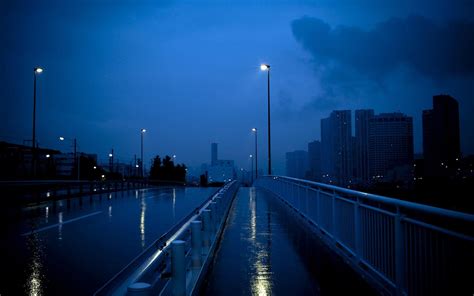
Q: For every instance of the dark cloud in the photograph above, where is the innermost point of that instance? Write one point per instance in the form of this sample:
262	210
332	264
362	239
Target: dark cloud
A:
434	50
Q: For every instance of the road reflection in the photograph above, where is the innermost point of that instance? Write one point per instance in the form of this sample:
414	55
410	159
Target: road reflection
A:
261	271
35	282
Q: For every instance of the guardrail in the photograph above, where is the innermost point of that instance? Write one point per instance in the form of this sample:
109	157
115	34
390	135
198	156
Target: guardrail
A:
176	263
409	248
24	192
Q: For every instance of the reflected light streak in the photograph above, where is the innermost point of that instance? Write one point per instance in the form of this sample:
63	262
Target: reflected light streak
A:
110	212
60	226
34	284
261	278
46	214
253	217
174	203
142	221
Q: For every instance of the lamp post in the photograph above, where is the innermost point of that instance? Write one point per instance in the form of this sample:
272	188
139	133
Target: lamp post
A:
111	161
265	67
251	166
142	132
77	162
256	153
36	70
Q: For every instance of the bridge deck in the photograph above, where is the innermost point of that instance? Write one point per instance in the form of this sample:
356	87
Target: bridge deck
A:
264	251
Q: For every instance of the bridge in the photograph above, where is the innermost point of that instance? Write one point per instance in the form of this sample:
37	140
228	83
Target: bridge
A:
283	236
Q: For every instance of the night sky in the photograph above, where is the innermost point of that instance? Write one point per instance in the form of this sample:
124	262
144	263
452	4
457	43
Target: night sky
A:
188	71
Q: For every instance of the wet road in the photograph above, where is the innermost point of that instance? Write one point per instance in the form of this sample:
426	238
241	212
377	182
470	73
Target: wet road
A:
264	251
73	248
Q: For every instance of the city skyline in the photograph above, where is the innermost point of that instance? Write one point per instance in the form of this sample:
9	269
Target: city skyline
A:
110	71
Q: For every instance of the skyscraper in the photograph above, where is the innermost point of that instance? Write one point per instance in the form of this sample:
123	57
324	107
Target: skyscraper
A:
214	154
314	160
336	146
441	140
390	147
297	164
361	161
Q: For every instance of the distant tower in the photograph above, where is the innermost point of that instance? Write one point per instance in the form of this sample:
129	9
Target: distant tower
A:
336	147
441	139
296	164
314	158
361	162
214	154
391	147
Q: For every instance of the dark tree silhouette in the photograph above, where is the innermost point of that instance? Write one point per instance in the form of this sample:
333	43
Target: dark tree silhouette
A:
166	170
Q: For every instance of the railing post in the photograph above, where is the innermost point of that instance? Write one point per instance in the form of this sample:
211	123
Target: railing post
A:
178	268
220	205
399	253
334	220
214	216
206	226
196	243
357	231
139	289
318	204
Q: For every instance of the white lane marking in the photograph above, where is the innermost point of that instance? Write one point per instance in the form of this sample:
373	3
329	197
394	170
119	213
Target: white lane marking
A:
58	224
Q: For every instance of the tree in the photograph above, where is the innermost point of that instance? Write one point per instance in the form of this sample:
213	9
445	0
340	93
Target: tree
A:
166	170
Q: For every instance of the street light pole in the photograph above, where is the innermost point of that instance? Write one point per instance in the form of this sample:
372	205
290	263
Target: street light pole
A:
36	70
77	161
256	153
141	133
251	170
265	67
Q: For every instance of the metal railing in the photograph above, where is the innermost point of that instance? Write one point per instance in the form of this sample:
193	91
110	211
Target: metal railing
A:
409	248
24	192
176	263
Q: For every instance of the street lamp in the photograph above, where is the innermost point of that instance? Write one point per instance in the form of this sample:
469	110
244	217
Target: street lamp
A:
36	70
76	161
142	132
256	153
265	67
251	166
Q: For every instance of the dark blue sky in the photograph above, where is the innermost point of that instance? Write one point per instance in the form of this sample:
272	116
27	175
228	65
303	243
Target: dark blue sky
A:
187	71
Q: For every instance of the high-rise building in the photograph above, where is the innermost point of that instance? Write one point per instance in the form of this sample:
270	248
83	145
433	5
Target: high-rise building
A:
214	153
336	147
327	154
441	139
297	164
390	147
314	160
361	159
220	170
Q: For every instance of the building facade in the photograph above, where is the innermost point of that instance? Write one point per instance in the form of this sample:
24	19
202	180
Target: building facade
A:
441	136
390	147
297	164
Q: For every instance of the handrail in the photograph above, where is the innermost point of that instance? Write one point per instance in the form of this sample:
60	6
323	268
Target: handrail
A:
407	248
151	266
386	200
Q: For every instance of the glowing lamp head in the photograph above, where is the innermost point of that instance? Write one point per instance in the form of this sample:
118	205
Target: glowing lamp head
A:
38	70
110	155
264	67
174	156
143	130
48	156
61	138
254	130
251	155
